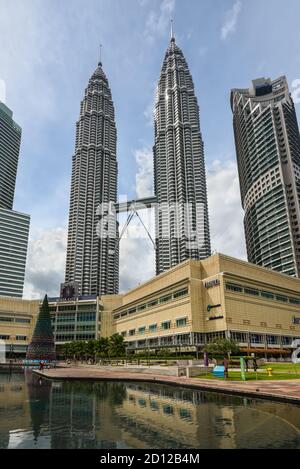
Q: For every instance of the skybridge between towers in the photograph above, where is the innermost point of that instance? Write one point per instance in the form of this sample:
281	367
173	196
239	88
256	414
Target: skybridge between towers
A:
132	207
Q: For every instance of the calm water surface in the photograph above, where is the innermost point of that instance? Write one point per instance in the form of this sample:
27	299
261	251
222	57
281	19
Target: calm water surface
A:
36	413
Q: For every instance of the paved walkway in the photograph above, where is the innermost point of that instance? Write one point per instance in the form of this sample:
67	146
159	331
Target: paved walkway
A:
287	390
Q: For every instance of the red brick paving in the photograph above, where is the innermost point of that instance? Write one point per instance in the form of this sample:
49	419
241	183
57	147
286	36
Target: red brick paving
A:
287	390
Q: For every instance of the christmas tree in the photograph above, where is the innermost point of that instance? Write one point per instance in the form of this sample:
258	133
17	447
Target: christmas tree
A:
42	345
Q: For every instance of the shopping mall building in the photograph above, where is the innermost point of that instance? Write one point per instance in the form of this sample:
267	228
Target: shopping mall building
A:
181	309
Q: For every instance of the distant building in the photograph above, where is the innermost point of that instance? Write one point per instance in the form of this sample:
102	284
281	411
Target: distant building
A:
182	225
93	245
268	155
14	232
14	226
10	140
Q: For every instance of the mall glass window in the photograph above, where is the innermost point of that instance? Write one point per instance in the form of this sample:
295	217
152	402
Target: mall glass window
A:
256	338
164	299
273	340
267	294
181	322
23	321
251	291
234	287
180	293
294	301
153	328
281	298
166	325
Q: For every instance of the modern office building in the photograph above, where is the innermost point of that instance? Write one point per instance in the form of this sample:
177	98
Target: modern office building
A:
10	140
182	226
93	252
14	226
268	155
14	232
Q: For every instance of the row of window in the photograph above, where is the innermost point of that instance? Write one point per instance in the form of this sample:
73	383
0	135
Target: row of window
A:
71	338
165	325
8	337
152	303
166	408
81	317
262	293
244	337
16	320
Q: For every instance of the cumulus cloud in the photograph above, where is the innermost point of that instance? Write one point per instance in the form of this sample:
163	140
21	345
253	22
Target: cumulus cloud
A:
144	176
45	262
226	214
157	21
231	18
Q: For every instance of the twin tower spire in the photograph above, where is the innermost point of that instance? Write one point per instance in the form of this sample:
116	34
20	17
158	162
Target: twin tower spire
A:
181	213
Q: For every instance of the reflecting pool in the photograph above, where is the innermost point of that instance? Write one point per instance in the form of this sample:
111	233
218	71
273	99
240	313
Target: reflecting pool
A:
37	413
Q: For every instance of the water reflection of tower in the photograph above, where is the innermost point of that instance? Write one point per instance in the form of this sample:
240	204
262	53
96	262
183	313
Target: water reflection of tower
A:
74	416
39	391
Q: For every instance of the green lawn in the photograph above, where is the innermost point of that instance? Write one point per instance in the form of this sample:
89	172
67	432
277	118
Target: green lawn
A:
236	376
282	367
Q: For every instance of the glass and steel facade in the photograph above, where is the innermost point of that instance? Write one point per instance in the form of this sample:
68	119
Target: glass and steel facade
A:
93	248
10	139
14	232
75	320
182	226
268	155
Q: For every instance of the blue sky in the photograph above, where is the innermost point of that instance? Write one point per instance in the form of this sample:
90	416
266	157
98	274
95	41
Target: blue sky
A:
49	49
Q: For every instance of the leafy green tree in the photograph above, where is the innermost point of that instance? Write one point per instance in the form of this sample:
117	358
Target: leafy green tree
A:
116	346
222	348
102	347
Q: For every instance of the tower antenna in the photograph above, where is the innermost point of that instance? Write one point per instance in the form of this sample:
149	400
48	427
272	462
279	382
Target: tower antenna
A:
172	29
100	56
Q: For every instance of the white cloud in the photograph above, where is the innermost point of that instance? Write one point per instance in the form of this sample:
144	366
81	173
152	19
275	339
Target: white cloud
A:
45	262
144	176
158	21
226	213
231	18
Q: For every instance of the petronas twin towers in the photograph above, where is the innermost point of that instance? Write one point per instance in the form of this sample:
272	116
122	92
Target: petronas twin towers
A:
182	226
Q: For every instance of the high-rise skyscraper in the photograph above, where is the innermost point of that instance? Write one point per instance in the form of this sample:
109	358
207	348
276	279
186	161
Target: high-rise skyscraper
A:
268	155
93	248
14	226
182	225
10	140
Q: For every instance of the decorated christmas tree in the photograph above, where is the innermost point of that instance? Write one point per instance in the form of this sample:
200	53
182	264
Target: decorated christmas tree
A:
42	345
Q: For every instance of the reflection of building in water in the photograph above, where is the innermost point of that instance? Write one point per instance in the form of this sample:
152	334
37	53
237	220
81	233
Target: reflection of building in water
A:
39	391
158	417
80	416
42	414
13	403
